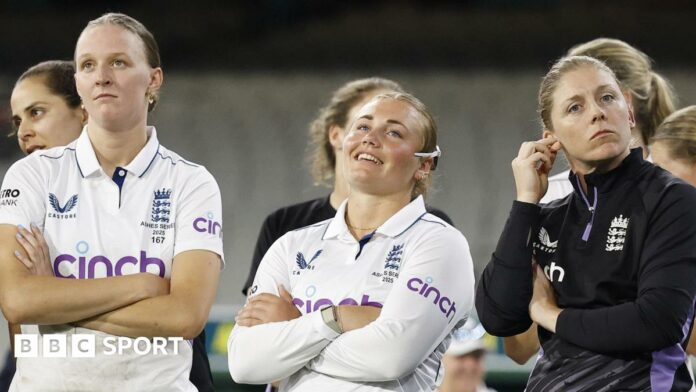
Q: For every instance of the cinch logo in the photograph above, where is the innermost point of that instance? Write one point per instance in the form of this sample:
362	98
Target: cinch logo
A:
550	269
312	306
424	289
207	225
87	265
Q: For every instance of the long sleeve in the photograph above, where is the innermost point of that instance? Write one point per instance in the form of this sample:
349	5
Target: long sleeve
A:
267	236
663	309
505	288
273	351
432	294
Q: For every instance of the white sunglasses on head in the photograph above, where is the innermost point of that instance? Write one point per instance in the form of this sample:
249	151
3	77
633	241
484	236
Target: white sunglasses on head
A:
435	154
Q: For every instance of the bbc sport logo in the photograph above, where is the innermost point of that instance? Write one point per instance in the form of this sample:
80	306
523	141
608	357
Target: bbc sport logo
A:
84	346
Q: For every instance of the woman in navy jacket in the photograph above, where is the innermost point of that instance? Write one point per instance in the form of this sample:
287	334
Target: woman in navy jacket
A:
606	272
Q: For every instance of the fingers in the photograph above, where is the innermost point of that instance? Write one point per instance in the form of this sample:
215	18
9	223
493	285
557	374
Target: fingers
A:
284	293
541	145
27	236
40	238
249	312
535	154
27	263
263	297
541	161
248	322
32	251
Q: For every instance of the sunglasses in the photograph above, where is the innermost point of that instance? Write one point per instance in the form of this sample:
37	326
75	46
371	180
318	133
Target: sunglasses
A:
435	155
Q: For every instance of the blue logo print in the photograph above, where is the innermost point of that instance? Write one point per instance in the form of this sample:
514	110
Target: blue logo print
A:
69	205
302	263
393	260
161	205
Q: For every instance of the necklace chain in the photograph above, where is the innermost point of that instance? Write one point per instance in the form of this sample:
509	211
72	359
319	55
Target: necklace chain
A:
361	228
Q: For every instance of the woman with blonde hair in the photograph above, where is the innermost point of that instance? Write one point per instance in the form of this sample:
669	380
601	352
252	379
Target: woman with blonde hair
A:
674	144
128	230
326	134
652	99
367	300
649	93
607	272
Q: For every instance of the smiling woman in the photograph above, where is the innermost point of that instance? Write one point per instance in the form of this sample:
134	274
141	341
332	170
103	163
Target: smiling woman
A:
607	272
367	300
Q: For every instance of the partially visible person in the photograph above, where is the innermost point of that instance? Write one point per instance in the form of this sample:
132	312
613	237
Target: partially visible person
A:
650	94
674	144
465	368
326	134
46	108
367	300
46	113
674	149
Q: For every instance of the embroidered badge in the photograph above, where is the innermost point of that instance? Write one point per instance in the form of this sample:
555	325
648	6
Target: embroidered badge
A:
392	263
161	206
617	234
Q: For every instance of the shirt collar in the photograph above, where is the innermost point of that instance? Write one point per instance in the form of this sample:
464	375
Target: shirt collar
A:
605	182
87	158
393	227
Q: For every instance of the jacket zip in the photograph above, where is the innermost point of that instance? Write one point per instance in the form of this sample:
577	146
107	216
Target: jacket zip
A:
592	208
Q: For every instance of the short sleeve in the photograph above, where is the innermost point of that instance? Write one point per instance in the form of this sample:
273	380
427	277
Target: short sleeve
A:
199	215
22	194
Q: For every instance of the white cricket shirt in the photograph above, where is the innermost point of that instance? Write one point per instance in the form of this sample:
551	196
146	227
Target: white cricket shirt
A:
97	226
416	266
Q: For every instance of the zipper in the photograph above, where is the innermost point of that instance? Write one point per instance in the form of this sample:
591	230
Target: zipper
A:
592	208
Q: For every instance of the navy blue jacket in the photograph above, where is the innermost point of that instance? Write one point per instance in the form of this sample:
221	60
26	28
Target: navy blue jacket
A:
622	261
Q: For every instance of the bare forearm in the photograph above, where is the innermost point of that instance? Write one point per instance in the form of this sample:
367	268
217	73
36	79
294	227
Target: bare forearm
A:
165	316
181	312
50	300
523	346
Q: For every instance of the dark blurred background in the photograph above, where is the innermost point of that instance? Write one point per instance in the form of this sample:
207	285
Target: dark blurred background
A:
243	79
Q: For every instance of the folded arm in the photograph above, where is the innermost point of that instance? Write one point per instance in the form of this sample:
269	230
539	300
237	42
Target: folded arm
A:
432	294
182	312
31	299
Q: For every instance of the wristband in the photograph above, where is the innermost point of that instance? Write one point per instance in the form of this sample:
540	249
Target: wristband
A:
328	314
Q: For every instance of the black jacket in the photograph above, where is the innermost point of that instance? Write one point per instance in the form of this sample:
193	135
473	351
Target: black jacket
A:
622	261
